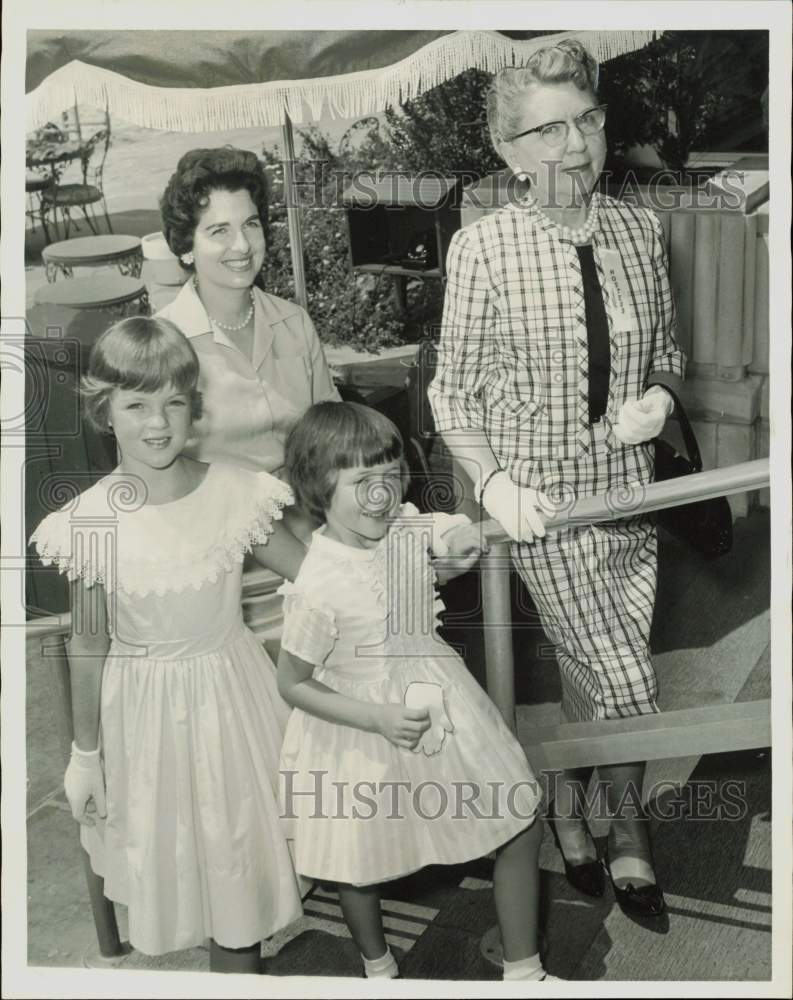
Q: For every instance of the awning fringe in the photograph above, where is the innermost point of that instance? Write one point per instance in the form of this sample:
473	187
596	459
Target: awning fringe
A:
348	95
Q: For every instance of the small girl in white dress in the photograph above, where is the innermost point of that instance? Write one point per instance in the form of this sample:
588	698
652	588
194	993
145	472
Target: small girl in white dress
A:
394	758
177	718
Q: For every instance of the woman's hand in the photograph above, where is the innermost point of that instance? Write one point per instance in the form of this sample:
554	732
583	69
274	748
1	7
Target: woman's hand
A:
642	419
84	784
401	726
519	510
462	547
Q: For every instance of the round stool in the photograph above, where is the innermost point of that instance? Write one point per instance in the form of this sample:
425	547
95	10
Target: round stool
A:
93	251
117	294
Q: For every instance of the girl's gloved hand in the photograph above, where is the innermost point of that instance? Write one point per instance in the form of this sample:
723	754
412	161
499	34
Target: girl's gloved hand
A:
84	784
445	527
458	550
519	510
642	419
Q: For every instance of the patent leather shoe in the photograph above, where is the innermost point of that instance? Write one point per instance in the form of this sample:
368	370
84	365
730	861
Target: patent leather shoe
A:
587	877
641	901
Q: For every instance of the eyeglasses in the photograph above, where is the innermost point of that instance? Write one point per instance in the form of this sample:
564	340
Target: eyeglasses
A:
556	133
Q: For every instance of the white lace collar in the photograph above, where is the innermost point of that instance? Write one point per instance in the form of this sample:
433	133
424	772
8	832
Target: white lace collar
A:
161	548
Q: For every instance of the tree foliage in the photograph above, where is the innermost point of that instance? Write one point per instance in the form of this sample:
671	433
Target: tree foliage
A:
445	129
687	90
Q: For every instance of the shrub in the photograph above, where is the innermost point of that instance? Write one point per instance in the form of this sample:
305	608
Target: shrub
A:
352	310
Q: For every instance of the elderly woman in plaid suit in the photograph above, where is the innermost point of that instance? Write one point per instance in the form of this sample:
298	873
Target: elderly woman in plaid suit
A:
558	335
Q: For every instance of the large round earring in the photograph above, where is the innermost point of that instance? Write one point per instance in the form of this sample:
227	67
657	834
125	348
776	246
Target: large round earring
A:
521	175
188	258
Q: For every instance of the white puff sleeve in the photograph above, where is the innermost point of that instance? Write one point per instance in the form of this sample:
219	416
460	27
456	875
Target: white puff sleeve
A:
309	631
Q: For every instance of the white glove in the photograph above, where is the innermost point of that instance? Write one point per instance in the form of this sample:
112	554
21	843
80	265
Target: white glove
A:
84	780
642	419
443	525
518	509
425	694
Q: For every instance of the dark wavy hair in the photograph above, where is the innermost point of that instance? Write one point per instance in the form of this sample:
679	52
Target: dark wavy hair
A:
199	173
333	436
141	353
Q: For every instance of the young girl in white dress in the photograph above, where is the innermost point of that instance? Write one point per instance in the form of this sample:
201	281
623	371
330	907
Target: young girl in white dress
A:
394	758
177	718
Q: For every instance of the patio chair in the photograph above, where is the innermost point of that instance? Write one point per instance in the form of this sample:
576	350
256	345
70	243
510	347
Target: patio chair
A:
67	197
34	186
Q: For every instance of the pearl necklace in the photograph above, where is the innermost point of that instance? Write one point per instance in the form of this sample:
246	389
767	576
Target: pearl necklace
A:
577	236
228	327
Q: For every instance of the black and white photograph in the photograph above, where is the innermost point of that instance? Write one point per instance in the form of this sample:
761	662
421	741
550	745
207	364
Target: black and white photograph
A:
396	499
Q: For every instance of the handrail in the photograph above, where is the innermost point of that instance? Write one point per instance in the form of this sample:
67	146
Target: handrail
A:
627	502
589	510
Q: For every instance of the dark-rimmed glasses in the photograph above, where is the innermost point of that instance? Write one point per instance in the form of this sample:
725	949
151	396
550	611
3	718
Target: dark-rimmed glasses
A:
553	134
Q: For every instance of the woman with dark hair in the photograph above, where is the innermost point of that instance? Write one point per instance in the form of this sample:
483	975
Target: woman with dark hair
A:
558	338
262	364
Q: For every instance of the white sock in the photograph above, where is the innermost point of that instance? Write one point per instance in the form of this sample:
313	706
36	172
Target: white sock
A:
384	967
635	870
528	969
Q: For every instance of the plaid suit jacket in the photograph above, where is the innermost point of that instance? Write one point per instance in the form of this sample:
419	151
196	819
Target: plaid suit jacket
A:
513	355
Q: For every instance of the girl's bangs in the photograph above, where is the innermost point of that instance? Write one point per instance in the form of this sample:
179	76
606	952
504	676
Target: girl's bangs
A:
150	367
367	445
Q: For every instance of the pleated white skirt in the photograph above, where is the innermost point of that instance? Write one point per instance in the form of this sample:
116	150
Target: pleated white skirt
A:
364	811
193	843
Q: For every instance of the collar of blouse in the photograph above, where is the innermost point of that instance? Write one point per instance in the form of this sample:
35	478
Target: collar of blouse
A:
189	314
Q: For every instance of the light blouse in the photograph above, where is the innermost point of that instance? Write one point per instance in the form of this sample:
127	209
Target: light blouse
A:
249	404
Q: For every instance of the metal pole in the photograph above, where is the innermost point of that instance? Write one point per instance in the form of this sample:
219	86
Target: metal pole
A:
497	622
293	214
102	909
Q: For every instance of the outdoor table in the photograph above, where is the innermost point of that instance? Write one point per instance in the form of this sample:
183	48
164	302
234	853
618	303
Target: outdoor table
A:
53	155
93	251
117	294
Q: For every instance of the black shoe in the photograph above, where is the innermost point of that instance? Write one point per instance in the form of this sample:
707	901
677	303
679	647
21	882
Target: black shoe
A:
587	877
644	901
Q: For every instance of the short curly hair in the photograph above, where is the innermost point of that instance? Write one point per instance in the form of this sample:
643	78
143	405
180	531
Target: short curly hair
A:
566	62
200	172
139	353
333	436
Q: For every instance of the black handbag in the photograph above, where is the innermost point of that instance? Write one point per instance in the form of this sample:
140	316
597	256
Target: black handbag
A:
706	525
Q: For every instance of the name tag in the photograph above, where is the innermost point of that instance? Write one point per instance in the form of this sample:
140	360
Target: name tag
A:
622	315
